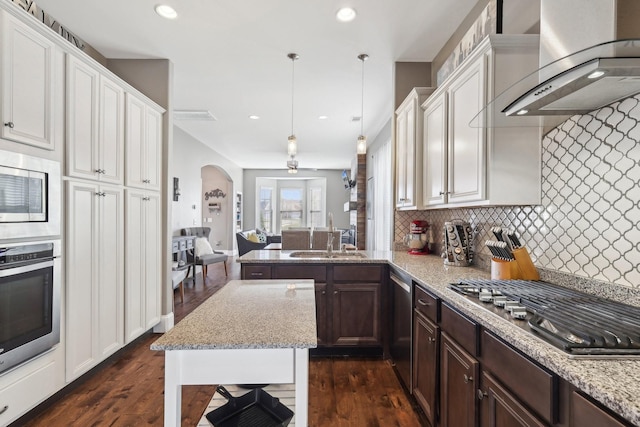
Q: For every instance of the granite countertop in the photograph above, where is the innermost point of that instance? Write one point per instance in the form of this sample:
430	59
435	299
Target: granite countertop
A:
348	257
615	383
249	314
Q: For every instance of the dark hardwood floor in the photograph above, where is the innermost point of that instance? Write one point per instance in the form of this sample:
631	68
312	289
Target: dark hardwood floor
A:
127	390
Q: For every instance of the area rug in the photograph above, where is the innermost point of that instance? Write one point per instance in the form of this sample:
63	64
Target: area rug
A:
284	392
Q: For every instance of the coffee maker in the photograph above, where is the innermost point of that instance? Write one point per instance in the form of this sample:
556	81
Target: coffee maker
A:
417	238
457	248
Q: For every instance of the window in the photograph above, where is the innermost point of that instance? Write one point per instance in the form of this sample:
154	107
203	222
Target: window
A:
291	207
265	218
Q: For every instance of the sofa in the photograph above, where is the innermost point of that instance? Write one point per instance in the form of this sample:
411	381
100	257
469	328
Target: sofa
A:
245	244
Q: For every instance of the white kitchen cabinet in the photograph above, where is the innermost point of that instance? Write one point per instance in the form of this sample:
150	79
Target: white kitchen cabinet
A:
27	82
94	274
435	150
408	133
143	144
143	280
95	124
466	164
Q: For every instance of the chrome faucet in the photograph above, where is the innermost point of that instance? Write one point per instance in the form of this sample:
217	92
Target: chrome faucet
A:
330	236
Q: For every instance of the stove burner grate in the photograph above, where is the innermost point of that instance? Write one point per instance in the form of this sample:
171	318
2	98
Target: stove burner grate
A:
578	323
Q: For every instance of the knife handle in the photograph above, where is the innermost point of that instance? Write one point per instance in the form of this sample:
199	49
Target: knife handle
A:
529	271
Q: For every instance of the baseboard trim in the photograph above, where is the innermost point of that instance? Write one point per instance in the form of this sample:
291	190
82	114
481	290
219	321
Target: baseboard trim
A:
166	323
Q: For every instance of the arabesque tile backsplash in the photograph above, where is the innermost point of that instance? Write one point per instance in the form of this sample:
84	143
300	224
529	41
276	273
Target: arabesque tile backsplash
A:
589	221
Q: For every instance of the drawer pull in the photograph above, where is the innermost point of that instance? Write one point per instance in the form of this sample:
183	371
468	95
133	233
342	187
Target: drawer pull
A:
324	292
467	379
423	302
4	409
256	274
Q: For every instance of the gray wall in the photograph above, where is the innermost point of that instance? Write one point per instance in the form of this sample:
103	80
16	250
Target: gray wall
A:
336	193
189	157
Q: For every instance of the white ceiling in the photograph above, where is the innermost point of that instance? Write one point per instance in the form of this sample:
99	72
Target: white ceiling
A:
230	57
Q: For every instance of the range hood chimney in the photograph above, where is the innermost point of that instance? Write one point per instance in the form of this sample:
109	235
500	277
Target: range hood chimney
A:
581	68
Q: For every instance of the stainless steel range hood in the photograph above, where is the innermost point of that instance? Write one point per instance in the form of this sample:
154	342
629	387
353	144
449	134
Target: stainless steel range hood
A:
579	83
581	89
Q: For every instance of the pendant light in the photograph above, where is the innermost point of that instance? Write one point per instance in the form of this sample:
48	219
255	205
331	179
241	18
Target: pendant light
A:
361	145
292	143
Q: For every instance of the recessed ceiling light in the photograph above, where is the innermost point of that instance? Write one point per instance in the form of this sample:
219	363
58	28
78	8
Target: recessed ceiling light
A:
166	11
346	14
254	117
323	117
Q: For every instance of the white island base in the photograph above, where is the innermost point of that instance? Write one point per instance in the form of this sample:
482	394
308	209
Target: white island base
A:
231	366
249	332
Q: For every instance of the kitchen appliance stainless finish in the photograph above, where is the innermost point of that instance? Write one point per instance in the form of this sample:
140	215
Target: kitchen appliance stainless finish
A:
580	324
458	243
402	318
30	196
30	282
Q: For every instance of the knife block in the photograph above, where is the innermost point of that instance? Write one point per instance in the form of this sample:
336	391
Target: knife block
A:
504	270
528	270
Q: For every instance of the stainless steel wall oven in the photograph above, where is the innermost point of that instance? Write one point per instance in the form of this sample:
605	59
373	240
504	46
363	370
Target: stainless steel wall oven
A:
30	281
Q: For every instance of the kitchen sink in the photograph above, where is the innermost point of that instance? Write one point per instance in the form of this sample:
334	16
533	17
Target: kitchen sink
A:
324	254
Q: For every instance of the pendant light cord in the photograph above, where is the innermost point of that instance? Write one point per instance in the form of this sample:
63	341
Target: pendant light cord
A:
362	101
362	57
293	57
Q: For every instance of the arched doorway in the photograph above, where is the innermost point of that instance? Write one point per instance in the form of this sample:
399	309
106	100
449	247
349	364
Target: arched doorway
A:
218	207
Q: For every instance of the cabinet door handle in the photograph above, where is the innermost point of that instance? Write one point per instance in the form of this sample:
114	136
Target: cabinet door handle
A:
423	302
335	292
5	407
432	340
324	292
482	394
467	379
10	126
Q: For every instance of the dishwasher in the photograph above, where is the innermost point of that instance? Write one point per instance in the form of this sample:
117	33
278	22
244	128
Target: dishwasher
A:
401	320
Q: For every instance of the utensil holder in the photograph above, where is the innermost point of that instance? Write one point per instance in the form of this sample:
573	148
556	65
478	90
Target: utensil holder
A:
504	270
528	270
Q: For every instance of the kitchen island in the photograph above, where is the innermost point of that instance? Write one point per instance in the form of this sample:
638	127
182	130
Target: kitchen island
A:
248	332
612	382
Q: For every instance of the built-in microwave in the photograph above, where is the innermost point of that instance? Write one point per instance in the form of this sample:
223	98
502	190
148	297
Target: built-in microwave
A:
30	196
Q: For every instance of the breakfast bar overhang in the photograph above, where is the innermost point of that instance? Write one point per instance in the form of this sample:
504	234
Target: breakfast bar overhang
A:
251	331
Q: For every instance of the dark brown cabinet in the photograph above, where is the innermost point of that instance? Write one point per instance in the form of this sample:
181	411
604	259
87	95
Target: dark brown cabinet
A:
348	299
321	313
426	338
458	384
525	380
585	412
500	408
356	314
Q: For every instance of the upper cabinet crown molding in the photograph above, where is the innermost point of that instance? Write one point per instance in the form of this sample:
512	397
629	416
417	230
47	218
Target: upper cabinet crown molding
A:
468	165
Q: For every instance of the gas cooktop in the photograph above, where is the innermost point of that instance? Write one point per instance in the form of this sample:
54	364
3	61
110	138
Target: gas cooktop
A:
576	322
